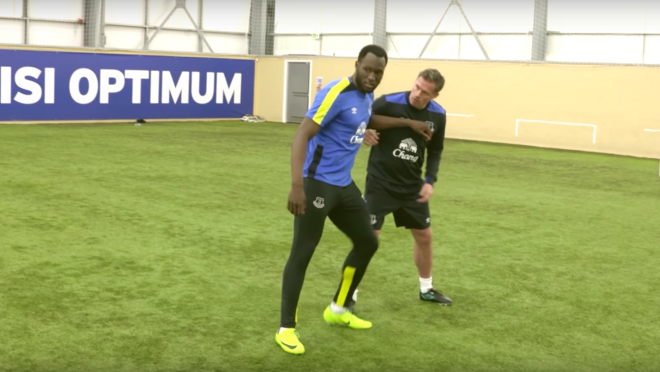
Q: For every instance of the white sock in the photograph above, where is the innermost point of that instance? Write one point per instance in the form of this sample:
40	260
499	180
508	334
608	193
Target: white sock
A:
425	284
355	295
336	309
282	329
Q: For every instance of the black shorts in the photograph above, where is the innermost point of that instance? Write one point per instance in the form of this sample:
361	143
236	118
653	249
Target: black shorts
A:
407	211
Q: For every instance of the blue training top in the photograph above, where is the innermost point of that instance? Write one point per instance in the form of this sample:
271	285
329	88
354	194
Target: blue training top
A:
343	113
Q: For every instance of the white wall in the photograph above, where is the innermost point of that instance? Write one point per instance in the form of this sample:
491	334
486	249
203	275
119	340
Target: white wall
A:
485	16
624	17
422	16
125	24
217	16
11	31
323	17
11	8
49	30
65	10
403	16
228	16
409	22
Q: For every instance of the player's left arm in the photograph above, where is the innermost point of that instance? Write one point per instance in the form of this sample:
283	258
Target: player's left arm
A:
434	151
433	156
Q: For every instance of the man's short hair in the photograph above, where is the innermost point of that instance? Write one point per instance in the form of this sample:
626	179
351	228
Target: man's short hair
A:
434	76
373	49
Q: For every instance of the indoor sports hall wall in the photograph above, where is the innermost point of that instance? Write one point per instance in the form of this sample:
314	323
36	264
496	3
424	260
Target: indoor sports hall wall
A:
571	74
553	105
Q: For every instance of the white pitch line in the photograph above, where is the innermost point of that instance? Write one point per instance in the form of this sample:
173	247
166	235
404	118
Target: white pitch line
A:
518	121
461	115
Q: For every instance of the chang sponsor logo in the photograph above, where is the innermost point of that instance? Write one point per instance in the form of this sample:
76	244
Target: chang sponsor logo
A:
407	150
359	134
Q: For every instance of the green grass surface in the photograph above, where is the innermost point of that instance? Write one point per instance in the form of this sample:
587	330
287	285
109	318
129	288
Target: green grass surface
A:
161	248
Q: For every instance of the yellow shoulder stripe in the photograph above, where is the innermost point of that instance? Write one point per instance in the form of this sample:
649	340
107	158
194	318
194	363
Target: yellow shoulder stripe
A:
329	99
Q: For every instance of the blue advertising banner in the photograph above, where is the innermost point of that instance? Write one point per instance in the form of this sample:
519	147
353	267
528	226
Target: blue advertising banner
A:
44	85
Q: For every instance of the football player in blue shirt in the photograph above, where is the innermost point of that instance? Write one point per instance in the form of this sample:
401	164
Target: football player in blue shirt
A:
322	157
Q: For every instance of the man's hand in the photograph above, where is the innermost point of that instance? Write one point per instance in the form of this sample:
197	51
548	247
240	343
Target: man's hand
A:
297	201
425	193
370	137
421	128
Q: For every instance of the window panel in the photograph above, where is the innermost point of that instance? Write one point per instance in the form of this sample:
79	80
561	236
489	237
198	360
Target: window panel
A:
227	15
67	10
56	34
11	32
11	8
127	12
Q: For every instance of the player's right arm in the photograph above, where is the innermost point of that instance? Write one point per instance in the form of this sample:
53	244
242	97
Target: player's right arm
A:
324	109
308	129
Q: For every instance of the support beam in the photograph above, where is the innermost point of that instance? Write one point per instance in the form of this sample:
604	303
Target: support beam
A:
200	18
428	41
160	26
145	45
199	30
258	20
474	33
103	39
380	23
26	25
93	18
270	27
540	33
180	4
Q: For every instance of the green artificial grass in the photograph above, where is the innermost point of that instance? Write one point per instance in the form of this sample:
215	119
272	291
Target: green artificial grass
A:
161	248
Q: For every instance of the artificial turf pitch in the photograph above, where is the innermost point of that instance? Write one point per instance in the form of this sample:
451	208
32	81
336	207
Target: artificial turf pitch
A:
161	248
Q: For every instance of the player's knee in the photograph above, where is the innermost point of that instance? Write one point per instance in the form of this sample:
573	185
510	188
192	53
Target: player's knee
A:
301	253
368	244
423	238
373	244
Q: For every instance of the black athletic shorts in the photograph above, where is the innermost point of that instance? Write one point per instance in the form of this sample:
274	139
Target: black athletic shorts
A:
407	211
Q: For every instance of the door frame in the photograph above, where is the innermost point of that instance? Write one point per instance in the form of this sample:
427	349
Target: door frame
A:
285	95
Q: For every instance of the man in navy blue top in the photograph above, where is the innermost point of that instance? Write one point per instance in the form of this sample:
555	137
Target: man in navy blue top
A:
394	173
322	158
